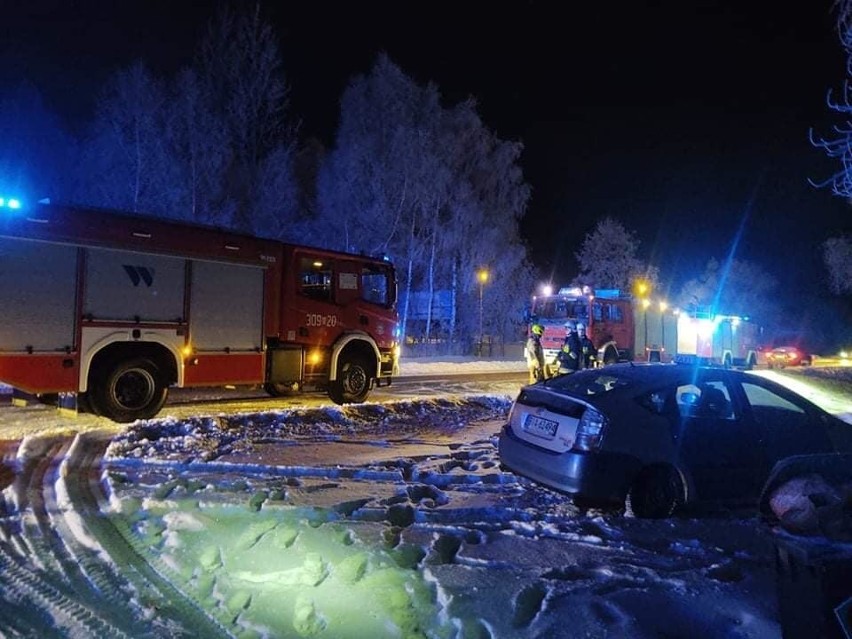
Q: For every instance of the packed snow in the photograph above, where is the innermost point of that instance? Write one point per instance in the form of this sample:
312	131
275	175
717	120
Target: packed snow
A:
384	519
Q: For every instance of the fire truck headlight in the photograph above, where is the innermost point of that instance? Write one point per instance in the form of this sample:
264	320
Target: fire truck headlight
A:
314	357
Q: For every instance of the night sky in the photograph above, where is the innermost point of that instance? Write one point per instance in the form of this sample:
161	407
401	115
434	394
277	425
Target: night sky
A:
681	119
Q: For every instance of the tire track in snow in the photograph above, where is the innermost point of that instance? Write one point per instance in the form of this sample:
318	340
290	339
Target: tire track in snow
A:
53	520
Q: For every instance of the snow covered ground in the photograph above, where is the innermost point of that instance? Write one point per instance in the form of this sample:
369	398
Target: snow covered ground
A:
388	519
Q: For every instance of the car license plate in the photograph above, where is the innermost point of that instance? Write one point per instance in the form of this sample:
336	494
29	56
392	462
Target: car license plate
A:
536	425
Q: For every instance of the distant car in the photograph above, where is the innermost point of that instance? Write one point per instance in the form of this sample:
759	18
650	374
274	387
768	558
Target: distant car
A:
782	356
654	437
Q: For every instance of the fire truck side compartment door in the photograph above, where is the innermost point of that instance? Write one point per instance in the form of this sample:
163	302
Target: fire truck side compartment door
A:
37	295
227	306
129	286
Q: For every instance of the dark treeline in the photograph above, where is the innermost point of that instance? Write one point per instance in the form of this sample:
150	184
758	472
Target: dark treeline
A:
424	182
408	174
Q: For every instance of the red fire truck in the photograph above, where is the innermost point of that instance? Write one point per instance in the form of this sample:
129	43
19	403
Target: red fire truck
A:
607	314
624	328
707	338
113	309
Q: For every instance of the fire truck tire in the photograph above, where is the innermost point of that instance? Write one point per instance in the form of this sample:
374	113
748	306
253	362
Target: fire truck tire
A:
353	382
128	390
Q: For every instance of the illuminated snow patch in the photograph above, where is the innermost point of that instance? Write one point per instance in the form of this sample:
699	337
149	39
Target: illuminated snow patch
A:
276	573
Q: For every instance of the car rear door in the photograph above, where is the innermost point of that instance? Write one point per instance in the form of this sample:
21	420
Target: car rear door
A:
786	425
715	444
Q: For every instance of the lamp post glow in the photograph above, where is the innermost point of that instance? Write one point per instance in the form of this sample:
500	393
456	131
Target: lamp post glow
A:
645	304
482	276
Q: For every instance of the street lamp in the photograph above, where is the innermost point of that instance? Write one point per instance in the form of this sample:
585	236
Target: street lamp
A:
482	276
645	304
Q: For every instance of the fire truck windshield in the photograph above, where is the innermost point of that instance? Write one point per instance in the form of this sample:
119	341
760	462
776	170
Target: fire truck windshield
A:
555	308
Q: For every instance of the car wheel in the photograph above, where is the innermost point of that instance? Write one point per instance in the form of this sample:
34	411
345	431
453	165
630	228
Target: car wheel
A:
655	493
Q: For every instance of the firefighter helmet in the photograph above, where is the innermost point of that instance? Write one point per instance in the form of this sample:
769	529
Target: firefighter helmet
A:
537	329
581	326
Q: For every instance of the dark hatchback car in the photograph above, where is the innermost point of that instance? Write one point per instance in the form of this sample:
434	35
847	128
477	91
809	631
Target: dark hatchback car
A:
658	436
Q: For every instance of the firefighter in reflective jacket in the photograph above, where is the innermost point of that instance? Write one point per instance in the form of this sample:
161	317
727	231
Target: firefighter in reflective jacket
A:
587	348
570	355
535	354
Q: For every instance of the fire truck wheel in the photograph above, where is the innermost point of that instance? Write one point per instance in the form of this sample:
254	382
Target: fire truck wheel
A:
128	390
353	383
655	493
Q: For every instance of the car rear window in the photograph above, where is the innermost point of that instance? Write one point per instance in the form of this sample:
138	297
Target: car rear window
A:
587	383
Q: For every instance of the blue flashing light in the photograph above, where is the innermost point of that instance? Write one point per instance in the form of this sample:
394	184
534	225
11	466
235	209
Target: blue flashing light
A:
9	203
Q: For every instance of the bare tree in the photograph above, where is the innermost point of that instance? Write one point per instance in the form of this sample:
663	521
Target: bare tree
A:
608	258
197	135
489	197
836	251
125	159
373	188
429	185
735	287
240	65
837	145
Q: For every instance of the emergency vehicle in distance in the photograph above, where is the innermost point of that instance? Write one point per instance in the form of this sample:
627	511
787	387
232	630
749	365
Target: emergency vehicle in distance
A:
113	309
624	328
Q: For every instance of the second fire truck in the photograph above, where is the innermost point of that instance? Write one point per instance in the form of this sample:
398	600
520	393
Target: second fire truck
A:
625	328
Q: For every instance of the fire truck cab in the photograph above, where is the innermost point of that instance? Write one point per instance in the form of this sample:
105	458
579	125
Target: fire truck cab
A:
607	314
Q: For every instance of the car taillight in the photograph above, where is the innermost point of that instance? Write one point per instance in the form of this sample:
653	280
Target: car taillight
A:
589	430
